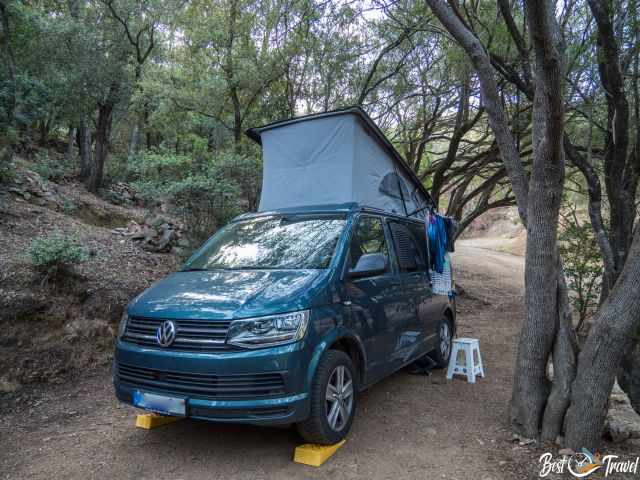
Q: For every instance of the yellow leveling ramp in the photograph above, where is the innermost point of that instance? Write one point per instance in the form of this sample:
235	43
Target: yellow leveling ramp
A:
151	420
315	455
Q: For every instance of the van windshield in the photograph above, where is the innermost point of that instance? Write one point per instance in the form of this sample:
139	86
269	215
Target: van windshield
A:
283	242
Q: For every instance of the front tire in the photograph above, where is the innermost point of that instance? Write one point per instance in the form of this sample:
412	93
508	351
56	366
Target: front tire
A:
333	400
445	339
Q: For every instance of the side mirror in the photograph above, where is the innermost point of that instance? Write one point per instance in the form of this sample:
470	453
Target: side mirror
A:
369	265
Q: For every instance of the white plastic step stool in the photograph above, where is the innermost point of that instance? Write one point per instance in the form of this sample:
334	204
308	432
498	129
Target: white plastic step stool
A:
472	362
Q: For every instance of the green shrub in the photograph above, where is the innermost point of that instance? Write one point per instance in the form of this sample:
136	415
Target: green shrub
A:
56	252
7	172
68	207
160	167
245	171
54	169
582	260
205	190
204	204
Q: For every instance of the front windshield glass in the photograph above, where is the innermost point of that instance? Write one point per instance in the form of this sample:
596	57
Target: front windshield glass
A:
283	242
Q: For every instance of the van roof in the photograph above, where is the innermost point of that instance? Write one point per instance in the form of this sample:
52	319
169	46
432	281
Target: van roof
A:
345	208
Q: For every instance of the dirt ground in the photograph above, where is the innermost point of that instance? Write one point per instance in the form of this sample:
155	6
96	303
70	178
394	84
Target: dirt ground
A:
406	427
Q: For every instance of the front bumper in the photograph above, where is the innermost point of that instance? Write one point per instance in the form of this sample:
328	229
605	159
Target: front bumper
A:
223	387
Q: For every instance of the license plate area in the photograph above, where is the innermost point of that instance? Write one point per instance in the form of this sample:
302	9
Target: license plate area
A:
162	404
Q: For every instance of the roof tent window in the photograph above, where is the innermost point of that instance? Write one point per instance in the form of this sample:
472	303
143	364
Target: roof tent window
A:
418	198
391	184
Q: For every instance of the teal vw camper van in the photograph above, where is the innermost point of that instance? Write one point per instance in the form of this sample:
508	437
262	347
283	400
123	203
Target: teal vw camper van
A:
285	315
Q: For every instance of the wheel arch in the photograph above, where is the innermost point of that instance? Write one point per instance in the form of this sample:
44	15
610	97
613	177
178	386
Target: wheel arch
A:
346	342
450	314
352	347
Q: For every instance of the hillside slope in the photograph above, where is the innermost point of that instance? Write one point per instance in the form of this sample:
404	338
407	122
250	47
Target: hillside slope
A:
53	329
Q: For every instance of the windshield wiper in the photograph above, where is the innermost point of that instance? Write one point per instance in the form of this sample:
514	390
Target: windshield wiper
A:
253	267
194	269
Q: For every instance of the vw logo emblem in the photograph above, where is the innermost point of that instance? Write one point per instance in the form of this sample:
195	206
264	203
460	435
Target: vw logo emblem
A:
166	333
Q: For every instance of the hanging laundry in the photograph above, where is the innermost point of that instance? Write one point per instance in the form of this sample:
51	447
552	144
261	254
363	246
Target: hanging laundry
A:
451	227
437	234
440	232
441	282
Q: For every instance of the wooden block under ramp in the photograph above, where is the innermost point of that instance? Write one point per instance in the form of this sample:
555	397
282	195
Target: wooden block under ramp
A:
152	420
314	454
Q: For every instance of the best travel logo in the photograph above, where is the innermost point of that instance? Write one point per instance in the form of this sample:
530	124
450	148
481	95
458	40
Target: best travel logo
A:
585	463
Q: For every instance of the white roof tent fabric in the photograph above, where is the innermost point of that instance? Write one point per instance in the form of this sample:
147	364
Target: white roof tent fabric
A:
334	158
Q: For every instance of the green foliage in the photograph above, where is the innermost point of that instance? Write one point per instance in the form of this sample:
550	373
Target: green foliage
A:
50	167
160	167
56	252
68	207
33	101
244	171
205	204
7	171
205	191
582	265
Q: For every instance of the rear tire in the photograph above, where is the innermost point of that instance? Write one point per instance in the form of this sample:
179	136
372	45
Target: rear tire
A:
333	400
445	339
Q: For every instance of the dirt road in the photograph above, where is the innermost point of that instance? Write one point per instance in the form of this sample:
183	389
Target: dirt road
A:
407	426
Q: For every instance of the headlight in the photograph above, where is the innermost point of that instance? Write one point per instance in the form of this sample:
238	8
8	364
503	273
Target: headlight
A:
268	331
123	324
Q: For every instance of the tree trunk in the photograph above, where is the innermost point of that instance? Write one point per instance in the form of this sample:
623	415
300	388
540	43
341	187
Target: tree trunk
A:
531	386
146	128
229	71
629	377
135	131
103	130
237	120
134	141
70	138
44	133
565	350
84	146
621	170
610	338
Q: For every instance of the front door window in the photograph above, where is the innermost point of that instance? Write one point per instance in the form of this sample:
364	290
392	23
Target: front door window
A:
367	238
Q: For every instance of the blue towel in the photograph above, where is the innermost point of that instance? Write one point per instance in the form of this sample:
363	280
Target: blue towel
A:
437	232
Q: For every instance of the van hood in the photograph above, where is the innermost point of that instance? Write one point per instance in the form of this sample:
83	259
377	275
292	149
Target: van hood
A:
228	294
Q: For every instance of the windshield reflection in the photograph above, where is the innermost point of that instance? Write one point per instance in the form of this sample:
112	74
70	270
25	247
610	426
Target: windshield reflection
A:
283	242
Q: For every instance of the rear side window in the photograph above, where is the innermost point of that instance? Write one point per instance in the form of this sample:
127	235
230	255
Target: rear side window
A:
368	237
420	235
410	247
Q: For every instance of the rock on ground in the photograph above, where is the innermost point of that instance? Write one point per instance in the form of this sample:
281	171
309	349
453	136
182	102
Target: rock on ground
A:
622	423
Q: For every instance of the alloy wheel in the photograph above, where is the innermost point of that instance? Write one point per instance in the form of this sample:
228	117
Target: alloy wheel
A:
339	398
445	340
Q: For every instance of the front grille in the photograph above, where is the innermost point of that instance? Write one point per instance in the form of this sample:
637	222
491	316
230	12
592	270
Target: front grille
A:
202	385
256	413
191	335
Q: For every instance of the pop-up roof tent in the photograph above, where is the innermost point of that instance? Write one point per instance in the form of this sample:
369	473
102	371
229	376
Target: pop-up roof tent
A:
333	158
